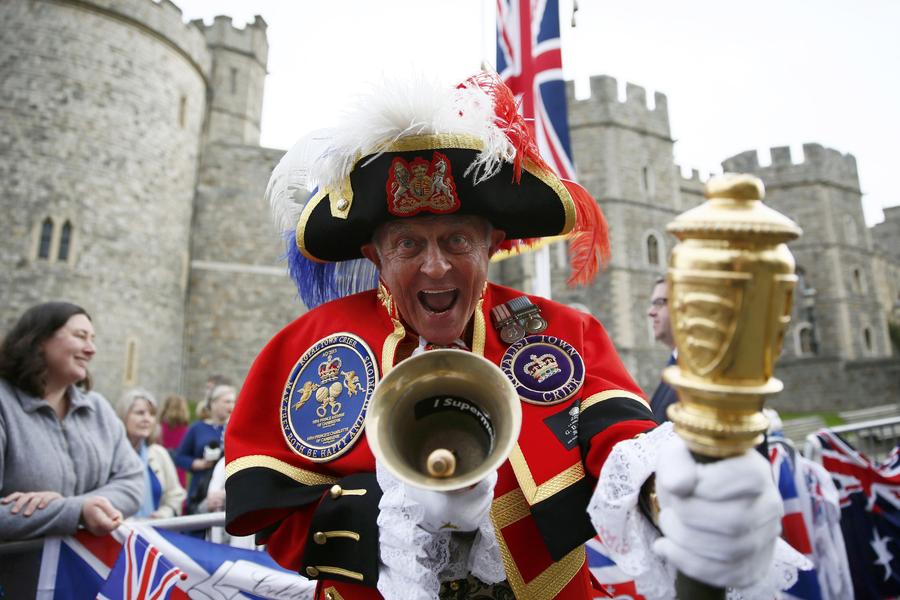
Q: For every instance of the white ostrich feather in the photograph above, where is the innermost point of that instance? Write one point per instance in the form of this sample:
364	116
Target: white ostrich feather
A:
393	110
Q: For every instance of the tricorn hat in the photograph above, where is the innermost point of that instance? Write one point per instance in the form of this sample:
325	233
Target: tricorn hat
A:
423	149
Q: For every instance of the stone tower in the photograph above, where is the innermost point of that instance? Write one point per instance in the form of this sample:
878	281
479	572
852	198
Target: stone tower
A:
239	58
239	294
822	194
837	350
104	104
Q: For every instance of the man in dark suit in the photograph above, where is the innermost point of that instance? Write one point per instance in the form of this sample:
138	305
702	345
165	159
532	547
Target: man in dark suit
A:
662	331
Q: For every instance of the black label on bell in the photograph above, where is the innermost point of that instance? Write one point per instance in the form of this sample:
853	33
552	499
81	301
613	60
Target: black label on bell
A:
454	404
564	425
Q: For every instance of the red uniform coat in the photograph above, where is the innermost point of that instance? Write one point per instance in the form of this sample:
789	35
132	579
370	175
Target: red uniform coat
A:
542	489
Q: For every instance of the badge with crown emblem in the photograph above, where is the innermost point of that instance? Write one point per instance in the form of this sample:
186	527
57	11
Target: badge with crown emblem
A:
323	406
420	185
544	369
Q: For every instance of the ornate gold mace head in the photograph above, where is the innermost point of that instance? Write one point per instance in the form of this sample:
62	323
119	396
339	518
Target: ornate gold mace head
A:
731	281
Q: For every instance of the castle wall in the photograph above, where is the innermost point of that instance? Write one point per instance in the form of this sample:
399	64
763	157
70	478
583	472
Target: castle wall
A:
831	384
102	106
623	152
239	292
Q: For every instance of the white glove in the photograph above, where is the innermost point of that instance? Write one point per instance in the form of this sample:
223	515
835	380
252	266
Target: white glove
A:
461	510
720	520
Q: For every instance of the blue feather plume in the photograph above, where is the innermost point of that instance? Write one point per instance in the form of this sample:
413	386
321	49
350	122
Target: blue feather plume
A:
319	283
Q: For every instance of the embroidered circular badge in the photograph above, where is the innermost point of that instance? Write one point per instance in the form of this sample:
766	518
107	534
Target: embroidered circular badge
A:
323	406
544	369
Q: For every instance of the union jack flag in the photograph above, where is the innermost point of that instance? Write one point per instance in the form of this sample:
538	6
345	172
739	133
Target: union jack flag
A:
529	60
141	573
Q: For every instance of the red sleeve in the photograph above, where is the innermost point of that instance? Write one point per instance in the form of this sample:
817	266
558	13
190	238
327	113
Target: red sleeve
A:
613	407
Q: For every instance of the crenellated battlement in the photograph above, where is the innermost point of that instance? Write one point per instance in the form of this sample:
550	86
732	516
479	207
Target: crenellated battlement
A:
603	107
163	18
818	164
250	40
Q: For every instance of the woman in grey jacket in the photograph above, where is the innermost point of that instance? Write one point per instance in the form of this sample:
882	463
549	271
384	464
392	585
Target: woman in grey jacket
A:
65	461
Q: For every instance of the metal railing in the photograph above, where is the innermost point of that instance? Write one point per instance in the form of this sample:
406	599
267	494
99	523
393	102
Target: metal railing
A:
186	523
875	438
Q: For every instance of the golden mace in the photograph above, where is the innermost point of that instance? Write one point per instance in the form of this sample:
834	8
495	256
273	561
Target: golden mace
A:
731	281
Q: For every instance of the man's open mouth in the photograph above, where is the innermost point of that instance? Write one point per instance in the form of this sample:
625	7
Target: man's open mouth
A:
438	301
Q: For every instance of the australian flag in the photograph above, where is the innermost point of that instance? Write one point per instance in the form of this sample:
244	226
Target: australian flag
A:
870	515
529	60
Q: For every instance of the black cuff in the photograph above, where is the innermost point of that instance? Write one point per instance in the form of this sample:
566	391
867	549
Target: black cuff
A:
342	542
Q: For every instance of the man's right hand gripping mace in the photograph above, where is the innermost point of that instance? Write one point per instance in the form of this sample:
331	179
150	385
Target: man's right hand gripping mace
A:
731	281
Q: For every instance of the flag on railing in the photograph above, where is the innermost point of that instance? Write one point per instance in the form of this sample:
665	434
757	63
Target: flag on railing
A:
529	60
83	566
794	527
612	581
870	515
140	573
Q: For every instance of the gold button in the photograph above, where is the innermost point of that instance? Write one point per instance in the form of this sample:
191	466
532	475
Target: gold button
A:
454	585
342	204
320	538
312	571
329	596
336	491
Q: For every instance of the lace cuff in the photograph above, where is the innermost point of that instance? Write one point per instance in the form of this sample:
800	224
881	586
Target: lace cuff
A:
414	562
627	536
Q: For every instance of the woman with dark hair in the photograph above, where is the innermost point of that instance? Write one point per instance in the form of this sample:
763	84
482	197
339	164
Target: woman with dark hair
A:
65	460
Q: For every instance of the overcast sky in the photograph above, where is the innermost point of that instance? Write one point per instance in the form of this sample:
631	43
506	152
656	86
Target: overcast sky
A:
738	75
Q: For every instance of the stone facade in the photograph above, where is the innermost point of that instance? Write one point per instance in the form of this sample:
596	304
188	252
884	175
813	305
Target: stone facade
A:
134	184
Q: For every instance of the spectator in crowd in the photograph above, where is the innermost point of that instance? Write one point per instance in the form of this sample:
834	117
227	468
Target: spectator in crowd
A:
65	460
214	502
201	447
212	383
173	422
664	396
163	493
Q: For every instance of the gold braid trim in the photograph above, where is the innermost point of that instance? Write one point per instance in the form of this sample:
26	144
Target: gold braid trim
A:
389	349
478	329
548	584
534	493
597	398
508	509
267	462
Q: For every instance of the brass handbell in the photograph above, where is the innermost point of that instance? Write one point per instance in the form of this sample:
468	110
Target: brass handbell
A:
443	420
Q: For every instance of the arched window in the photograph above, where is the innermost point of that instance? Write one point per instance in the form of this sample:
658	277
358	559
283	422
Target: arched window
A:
653	249
804	343
851	235
857	282
131	362
65	242
46	239
647	182
867	339
182	111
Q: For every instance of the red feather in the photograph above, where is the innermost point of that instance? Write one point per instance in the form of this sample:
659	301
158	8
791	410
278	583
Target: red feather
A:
589	246
589	243
509	120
